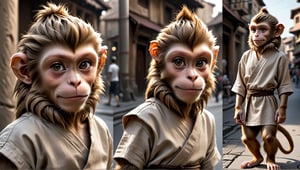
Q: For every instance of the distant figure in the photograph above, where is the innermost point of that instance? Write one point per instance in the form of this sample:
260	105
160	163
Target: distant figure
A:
113	81
226	87
219	78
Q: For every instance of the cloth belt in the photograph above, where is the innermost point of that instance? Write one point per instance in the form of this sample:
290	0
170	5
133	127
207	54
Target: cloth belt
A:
259	93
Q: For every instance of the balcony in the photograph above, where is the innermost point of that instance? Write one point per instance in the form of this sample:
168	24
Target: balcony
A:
240	7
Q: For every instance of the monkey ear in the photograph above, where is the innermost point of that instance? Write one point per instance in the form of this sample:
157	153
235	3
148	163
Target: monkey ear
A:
153	49
103	57
18	64
279	30
215	56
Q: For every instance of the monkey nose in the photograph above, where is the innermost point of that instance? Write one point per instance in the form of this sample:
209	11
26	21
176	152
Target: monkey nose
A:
192	74
74	80
75	83
192	77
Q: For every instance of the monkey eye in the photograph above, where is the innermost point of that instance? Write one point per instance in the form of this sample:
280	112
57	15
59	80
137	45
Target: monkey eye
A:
263	30
201	64
179	62
85	65
57	66
253	30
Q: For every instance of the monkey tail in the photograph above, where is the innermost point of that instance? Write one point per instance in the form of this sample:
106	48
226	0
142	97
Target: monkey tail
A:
288	137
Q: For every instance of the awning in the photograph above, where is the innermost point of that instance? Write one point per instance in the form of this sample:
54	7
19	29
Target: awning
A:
145	22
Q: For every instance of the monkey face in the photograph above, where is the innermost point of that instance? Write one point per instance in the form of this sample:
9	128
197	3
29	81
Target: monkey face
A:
67	76
187	69
260	33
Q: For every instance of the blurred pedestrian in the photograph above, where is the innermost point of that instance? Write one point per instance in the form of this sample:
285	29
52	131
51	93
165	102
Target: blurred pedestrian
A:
113	81
219	78
227	87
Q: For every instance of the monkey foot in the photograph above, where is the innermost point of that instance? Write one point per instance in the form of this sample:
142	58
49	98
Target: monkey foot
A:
251	164
272	165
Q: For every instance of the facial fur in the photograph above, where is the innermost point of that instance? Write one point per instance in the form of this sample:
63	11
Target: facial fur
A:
54	26
186	33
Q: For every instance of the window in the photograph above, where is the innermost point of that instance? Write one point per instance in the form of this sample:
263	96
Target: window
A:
144	3
168	16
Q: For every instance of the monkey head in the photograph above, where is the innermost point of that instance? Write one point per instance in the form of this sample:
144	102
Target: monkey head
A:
265	32
181	71
58	68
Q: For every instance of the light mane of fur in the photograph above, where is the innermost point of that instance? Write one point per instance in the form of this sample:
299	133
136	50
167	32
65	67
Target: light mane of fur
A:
54	25
187	29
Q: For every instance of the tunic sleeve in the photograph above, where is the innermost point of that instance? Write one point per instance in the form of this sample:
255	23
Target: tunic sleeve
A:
239	86
284	82
135	143
11	151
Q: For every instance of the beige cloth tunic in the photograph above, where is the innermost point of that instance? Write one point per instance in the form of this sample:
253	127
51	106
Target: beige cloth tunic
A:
34	143
156	137
270	73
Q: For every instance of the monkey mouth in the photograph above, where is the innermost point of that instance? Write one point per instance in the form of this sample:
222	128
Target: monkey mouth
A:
258	41
74	98
189	89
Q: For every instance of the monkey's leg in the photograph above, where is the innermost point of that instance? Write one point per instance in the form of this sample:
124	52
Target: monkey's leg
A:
249	135
270	145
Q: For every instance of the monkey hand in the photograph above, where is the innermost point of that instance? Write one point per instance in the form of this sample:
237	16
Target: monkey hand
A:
238	116
280	115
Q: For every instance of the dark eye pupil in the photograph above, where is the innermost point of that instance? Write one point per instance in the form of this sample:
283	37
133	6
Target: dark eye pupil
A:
84	65
178	62
200	63
56	66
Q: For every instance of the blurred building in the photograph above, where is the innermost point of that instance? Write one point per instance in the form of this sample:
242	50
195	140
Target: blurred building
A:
236	16
89	10
145	19
288	44
295	67
295	15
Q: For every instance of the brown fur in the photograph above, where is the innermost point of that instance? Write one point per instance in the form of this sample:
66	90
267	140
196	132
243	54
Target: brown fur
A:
190	30
53	25
289	138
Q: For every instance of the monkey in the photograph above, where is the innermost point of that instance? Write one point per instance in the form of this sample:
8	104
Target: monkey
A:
58	66
172	129
258	77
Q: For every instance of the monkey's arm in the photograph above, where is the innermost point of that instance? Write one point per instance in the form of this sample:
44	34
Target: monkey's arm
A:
123	164
6	163
280	115
238	112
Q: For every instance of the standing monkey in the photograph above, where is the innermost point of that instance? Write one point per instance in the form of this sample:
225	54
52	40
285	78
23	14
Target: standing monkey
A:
262	70
171	129
58	67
